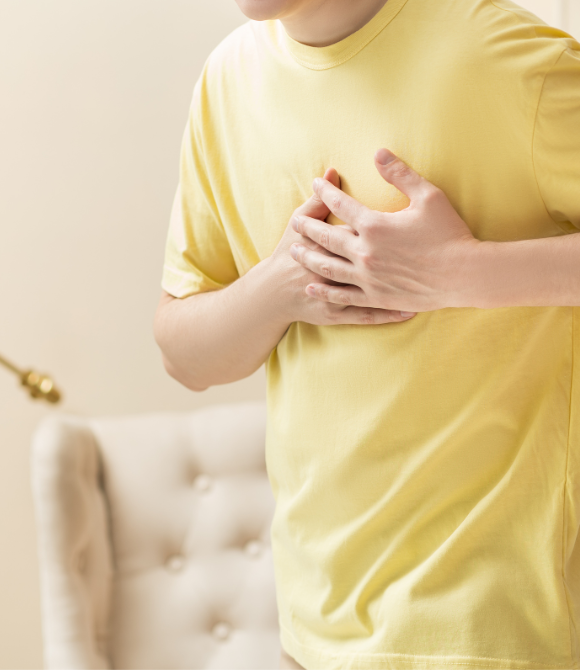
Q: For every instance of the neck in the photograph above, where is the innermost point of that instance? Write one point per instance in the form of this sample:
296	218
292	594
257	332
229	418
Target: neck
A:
319	23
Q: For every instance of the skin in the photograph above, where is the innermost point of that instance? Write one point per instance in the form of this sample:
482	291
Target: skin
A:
222	336
316	23
408	259
394	265
425	258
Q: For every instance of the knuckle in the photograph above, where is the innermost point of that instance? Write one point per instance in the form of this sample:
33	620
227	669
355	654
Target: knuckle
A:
363	227
344	299
367	316
399	169
326	271
335	202
367	223
367	259
324	238
322	292
431	194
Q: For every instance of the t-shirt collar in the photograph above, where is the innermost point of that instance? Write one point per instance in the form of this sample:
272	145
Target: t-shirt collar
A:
323	58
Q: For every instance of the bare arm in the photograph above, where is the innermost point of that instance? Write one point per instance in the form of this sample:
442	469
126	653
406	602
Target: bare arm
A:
425	257
222	336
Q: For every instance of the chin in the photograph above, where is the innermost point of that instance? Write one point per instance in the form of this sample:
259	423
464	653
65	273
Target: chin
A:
264	10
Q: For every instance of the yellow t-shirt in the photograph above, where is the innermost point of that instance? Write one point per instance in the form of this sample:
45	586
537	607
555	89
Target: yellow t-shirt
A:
426	473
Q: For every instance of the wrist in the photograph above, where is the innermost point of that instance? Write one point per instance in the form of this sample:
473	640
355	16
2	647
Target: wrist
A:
277	287
466	275
481	283
502	274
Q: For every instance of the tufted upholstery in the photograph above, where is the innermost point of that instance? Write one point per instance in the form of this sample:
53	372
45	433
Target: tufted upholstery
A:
154	540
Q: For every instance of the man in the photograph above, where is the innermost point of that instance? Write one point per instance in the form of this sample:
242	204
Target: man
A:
422	357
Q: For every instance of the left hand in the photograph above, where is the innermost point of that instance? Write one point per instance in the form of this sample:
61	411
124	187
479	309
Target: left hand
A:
413	260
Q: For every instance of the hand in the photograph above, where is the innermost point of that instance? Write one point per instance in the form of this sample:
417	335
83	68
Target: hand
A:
293	278
411	260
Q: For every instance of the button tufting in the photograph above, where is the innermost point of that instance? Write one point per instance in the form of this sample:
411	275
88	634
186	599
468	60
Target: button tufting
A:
222	630
202	482
175	563
253	548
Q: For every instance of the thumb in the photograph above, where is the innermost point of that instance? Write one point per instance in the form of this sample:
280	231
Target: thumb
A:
399	174
314	207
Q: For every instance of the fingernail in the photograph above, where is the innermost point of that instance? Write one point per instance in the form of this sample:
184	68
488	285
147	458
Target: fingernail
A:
294	251
406	315
295	224
316	184
384	157
310	290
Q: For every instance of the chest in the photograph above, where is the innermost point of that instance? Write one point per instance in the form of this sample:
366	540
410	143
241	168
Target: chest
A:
450	133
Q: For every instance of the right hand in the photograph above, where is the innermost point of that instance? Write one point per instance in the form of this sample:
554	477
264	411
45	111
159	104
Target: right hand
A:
294	278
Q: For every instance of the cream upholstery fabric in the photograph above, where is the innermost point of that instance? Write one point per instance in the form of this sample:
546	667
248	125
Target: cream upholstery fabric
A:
154	540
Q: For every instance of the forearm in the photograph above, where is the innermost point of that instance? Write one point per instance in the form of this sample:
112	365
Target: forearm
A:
541	272
225	335
222	336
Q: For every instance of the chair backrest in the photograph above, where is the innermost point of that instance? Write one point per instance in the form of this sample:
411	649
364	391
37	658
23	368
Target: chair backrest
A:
154	540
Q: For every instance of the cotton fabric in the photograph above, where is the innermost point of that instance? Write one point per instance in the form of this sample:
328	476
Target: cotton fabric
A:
426	473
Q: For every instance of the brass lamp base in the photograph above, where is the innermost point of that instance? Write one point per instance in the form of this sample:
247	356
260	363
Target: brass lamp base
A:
38	385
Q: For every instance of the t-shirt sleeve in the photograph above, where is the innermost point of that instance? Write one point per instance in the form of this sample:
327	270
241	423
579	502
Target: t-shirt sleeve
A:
198	256
557	140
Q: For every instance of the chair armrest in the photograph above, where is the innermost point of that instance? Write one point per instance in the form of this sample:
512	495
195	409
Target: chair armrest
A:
73	544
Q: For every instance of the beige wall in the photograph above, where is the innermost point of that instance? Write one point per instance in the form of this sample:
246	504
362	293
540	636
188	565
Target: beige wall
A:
561	13
94	101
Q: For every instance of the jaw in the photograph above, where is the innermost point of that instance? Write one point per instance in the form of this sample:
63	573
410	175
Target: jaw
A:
265	10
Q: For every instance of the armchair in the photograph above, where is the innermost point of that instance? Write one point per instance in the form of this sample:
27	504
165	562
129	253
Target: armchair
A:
153	536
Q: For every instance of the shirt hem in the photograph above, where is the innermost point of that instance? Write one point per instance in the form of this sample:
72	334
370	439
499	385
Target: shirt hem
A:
182	284
313	658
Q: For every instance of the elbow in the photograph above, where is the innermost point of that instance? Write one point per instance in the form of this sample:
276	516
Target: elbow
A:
177	374
175	371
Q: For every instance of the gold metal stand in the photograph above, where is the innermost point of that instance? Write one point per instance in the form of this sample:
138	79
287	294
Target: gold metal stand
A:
38	385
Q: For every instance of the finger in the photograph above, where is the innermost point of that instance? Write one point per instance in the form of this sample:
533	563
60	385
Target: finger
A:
338	295
339	240
393	170
343	206
314	206
350	296
307	242
329	267
332	176
369	316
